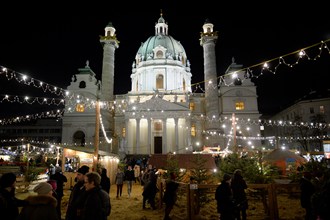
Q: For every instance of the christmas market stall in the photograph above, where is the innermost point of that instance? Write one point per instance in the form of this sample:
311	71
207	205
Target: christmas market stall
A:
75	157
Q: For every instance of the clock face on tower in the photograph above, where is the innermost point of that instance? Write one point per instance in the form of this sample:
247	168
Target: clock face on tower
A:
80	108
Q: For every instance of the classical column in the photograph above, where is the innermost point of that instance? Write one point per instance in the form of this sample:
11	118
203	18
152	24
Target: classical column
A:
137	135
110	44
188	126
126	136
164	147
149	135
208	40
176	120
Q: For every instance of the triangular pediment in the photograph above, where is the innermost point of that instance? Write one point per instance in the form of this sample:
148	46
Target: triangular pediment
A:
158	104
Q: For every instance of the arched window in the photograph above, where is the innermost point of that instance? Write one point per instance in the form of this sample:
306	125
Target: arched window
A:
79	138
160	82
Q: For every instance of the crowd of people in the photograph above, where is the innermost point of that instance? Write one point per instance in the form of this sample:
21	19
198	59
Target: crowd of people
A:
89	197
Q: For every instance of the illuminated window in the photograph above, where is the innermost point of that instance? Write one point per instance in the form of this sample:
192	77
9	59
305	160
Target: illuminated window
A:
80	108
322	109
193	130
160	82
192	106
123	132
239	105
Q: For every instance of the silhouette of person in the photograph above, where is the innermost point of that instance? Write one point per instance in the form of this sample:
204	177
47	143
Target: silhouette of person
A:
105	181
60	180
224	197
238	186
170	195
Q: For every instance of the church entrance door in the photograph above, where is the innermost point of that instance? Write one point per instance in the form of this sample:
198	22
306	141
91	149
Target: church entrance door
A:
158	142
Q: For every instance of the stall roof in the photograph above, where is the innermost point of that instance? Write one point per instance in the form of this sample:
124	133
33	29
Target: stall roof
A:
186	161
279	154
91	151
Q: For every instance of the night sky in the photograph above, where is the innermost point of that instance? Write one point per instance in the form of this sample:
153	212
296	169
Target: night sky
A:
50	43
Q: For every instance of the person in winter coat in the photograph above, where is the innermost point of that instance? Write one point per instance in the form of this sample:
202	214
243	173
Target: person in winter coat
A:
119	182
224	197
8	202
238	186
105	181
41	206
129	177
60	180
75	203
96	201
150	190
170	195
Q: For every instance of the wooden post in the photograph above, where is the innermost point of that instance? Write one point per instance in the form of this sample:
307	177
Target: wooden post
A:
233	121
273	209
27	155
97	134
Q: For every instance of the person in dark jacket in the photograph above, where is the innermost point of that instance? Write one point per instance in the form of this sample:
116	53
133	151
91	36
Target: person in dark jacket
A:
224	197
41	206
129	177
105	181
75	203
8	202
150	190
238	186
60	180
96	201
170	195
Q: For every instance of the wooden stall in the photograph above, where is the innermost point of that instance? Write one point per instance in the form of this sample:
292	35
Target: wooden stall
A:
75	157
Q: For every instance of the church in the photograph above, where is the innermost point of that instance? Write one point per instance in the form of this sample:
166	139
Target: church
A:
163	112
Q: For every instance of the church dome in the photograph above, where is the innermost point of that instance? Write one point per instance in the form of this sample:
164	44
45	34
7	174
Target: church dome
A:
162	45
161	64
173	48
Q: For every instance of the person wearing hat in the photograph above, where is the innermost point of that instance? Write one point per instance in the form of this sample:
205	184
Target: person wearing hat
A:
224	197
41	206
8	202
60	180
76	199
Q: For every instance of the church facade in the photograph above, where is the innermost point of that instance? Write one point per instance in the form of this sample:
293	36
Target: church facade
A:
161	113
